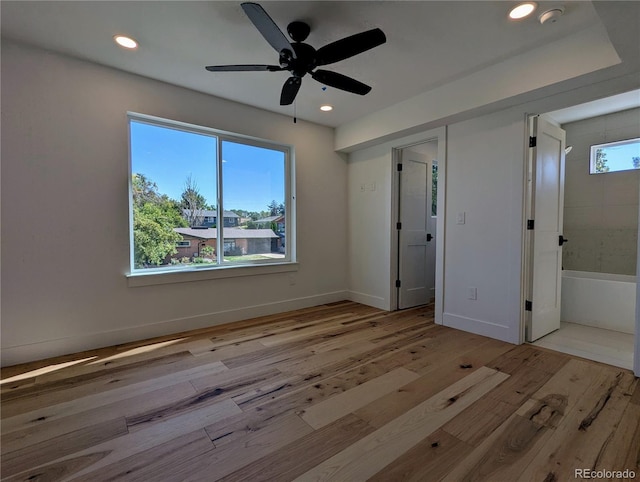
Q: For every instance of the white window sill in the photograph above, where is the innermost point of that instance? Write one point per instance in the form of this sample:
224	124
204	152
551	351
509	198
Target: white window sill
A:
160	277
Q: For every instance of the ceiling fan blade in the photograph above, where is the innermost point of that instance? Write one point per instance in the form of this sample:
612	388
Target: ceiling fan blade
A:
342	82
267	27
243	68
350	46
290	90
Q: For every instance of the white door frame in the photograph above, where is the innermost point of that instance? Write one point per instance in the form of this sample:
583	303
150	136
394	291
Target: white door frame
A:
440	135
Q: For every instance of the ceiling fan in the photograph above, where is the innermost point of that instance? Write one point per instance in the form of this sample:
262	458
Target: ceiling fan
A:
300	58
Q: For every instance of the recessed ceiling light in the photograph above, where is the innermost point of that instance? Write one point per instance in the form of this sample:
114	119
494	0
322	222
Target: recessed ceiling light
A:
126	42
326	108
522	10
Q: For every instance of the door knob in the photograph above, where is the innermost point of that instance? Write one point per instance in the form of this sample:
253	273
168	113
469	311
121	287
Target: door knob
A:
562	240
429	237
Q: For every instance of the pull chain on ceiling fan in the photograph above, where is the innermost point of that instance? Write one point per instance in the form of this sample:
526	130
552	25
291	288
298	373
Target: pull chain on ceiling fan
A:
300	58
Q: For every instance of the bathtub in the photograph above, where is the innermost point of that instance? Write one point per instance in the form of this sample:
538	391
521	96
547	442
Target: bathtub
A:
599	299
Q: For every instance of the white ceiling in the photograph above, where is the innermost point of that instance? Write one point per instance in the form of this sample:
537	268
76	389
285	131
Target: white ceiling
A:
608	105
428	44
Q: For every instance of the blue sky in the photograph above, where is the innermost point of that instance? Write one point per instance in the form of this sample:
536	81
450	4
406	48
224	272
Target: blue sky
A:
252	176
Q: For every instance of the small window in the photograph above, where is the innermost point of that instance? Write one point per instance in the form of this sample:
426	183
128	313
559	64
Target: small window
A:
183	244
615	156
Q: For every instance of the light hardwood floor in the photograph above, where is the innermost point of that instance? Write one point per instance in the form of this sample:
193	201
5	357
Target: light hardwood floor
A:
339	392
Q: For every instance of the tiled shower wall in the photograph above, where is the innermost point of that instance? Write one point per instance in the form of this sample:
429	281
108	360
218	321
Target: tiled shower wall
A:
600	210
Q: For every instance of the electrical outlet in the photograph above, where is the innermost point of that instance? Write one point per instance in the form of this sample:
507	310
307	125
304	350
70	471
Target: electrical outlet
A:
363	187
372	187
292	279
460	218
472	293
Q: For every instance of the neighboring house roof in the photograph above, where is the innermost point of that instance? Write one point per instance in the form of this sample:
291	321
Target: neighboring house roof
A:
228	233
270	219
211	212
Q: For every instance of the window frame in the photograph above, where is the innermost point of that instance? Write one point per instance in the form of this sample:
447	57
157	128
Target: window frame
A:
220	269
593	152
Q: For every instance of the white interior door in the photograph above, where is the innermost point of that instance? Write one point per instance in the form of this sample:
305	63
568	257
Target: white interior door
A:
416	264
547	191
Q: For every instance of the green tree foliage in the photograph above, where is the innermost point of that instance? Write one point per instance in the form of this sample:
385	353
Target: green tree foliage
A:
154	217
206	251
275	208
601	161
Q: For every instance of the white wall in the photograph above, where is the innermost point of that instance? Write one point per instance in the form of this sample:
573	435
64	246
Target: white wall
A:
65	240
370	226
484	179
485	169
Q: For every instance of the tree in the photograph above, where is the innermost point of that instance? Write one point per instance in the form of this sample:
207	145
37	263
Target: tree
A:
636	162
155	216
192	202
601	161
275	209
153	235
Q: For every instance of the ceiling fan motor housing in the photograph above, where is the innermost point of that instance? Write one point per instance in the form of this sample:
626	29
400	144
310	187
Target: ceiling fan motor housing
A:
304	62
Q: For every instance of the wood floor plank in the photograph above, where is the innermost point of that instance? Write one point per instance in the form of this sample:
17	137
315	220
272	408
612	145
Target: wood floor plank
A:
430	459
340	405
301	455
507	452
375	451
41	430
167	462
28	416
70	389
230	457
121	448
478	421
340	391
438	373
595	418
59	385
57	447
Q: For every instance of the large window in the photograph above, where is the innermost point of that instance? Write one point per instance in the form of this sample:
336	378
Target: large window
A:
615	156
194	186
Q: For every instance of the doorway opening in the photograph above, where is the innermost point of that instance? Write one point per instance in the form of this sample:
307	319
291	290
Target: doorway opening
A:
417	240
598	295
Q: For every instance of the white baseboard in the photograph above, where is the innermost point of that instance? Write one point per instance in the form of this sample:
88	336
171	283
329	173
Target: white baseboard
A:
369	300
480	327
13	355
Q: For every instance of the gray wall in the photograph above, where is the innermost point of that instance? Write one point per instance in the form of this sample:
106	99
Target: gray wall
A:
600	210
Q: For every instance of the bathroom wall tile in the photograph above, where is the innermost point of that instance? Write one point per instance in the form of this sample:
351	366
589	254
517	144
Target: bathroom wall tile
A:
583	217
594	125
620	217
618	264
630	117
582	189
620	188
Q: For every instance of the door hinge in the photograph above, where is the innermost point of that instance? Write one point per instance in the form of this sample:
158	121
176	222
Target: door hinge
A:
399	166
533	141
530	223
528	305
398	225
398	283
